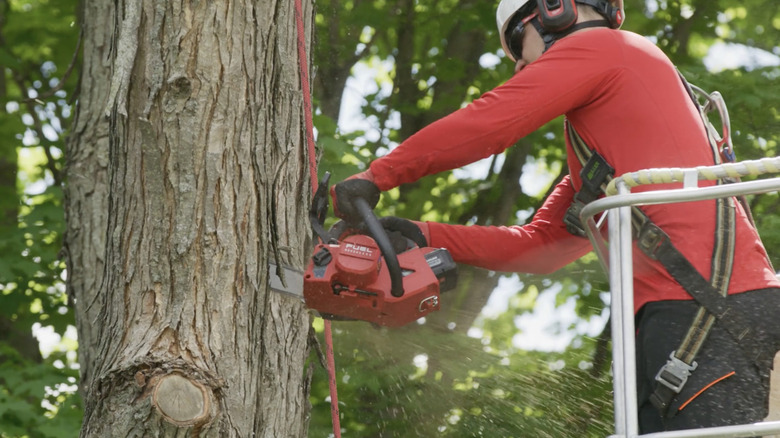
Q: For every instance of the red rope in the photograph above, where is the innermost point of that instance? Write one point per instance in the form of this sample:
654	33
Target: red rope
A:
334	397
307	114
302	62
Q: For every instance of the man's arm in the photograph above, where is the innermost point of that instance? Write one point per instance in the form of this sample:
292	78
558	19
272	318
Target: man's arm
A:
568	76
539	247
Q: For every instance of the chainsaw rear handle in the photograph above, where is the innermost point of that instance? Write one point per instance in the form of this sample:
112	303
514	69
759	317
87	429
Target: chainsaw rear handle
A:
376	231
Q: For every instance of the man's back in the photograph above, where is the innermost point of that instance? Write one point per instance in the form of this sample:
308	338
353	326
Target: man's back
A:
640	116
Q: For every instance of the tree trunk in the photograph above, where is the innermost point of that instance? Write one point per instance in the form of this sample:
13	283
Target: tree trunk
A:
86	191
187	174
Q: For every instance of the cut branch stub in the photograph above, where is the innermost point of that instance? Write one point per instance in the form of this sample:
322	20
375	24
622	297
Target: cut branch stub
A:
182	401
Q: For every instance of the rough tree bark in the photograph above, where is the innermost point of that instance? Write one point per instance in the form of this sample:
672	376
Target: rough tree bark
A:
186	175
86	191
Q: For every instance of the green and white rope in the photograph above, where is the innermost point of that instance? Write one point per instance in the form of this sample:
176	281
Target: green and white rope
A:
675	174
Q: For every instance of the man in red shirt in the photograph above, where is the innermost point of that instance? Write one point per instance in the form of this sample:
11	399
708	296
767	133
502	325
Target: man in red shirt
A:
627	101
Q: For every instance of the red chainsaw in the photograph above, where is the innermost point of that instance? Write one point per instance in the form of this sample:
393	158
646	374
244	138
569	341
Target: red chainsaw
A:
358	273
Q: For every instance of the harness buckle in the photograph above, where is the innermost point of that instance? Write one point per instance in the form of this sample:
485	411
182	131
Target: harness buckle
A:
595	172
650	239
572	218
674	374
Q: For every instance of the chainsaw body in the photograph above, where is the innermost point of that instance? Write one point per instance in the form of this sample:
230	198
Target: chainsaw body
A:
360	276
350	280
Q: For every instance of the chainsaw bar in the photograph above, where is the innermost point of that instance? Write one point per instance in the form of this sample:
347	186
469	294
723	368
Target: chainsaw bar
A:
285	280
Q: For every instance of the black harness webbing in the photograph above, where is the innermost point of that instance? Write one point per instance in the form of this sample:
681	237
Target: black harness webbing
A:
550	38
710	295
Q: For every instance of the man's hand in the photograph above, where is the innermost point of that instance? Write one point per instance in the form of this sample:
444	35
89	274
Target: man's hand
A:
417	232
344	193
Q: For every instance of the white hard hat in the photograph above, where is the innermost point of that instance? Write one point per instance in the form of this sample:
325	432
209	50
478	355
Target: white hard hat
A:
612	11
504	13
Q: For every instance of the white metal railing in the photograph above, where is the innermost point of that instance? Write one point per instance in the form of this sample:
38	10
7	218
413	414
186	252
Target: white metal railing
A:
616	257
675	174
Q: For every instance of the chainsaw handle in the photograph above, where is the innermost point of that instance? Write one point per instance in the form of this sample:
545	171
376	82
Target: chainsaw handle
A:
376	231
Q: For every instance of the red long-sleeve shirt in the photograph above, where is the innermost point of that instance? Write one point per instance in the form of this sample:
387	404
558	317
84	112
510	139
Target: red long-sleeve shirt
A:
624	97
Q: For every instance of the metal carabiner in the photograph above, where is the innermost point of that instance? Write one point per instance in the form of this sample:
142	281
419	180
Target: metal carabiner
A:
724	143
715	101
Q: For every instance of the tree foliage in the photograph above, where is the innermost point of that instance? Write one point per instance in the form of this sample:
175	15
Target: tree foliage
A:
38	40
384	69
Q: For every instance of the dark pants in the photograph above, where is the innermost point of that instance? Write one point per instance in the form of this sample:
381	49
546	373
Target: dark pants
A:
739	398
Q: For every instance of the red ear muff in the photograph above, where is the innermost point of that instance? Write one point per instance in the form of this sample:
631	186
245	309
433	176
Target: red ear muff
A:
618	19
557	15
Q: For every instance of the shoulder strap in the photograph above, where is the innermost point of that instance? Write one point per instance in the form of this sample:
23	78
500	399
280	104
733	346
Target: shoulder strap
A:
586	155
721	146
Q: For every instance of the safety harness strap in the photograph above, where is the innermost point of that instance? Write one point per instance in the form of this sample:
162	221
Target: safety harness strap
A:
592	181
711	295
714	306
